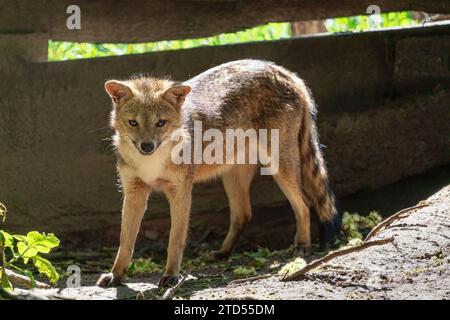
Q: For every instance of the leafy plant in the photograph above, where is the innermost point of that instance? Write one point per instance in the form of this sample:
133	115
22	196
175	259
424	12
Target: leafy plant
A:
355	226
258	258
18	251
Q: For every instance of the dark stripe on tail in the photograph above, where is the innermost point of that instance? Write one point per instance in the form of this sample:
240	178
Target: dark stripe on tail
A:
314	179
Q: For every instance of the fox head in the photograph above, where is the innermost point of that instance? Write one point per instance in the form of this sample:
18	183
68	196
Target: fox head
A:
146	111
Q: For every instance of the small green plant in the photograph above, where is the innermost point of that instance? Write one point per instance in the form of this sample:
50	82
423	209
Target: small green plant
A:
242	271
293	266
17	251
142	266
355	226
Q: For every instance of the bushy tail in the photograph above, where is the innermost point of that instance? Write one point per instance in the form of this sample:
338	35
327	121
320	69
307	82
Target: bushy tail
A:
314	178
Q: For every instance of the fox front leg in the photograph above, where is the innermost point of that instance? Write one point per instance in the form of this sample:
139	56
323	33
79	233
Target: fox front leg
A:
134	205
180	205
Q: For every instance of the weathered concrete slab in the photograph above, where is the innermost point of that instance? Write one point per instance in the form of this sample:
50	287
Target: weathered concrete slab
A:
30	47
144	20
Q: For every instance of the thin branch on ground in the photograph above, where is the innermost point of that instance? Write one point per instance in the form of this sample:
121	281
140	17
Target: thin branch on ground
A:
24	281
171	291
252	279
300	275
391	219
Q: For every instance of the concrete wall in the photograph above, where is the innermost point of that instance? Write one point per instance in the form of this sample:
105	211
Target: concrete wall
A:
153	20
382	97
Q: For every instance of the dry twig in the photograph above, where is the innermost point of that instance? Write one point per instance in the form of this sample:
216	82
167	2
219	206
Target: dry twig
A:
388	221
299	275
171	291
24	281
251	279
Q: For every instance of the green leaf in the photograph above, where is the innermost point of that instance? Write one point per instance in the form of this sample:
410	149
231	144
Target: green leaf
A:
20	237
7	239
42	242
258	262
21	247
41	248
26	251
35	236
46	268
4	281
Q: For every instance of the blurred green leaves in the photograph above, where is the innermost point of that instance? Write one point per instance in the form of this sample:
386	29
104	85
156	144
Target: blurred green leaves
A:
372	22
60	50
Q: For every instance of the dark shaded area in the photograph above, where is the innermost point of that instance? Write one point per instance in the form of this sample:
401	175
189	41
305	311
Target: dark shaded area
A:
271	227
274	228
394	197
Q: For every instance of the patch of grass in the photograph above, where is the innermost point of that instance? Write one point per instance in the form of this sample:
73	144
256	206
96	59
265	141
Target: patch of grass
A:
143	266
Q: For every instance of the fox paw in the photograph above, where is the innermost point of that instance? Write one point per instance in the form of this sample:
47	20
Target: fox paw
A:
168	280
303	251
217	255
107	280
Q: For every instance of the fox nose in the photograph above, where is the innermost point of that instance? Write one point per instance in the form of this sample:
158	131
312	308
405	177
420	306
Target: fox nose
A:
147	147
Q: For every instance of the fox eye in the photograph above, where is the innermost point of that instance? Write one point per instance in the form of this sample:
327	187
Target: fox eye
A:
133	123
160	123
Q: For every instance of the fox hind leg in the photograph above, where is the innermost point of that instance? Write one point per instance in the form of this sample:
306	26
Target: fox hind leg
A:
237	183
288	179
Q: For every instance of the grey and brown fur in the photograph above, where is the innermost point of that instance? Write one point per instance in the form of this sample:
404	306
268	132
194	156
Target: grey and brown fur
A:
241	94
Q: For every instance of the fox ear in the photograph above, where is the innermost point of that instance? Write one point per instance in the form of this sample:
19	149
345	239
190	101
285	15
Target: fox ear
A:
118	91
175	95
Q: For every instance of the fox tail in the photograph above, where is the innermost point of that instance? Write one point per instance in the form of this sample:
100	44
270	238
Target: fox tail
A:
314	179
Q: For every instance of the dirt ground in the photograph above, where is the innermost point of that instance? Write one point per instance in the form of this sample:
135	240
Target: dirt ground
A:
415	265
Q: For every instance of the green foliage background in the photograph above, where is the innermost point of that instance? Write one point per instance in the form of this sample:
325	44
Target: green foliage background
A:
60	50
